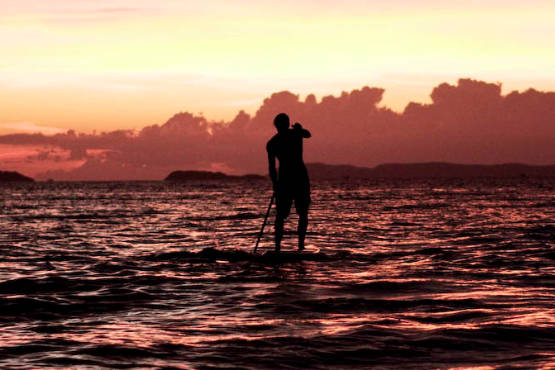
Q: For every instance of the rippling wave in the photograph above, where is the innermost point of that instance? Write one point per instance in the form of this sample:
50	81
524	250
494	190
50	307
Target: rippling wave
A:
410	274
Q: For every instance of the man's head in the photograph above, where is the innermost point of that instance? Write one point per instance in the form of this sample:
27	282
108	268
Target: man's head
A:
281	122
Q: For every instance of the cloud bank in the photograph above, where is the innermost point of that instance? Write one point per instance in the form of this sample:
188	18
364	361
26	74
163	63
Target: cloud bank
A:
471	122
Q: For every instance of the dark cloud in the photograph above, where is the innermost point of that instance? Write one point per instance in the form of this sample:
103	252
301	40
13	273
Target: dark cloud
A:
471	122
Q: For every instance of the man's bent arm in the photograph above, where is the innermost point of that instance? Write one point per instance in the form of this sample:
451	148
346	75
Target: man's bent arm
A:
304	132
272	169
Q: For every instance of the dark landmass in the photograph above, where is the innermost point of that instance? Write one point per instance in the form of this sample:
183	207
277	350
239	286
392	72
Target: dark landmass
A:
321	171
11	176
428	170
207	175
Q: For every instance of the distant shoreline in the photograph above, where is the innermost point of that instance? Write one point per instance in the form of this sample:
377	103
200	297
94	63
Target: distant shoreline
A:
322	171
12	176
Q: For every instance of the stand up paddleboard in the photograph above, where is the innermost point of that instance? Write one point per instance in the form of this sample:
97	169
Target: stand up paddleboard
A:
308	252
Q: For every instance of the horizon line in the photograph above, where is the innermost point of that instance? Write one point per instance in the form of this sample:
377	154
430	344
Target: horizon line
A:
309	164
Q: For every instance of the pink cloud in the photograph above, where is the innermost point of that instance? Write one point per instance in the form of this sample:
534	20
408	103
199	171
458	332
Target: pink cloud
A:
30	127
470	122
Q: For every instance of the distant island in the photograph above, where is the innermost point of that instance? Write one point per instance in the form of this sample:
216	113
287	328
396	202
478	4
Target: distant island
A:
179	176
11	176
428	170
321	171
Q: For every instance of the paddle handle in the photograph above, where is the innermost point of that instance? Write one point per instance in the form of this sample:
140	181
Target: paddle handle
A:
264	223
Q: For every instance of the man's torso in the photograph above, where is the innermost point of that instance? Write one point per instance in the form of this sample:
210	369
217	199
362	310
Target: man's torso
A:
287	147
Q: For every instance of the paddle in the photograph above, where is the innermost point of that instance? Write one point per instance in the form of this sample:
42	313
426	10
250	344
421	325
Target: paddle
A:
264	223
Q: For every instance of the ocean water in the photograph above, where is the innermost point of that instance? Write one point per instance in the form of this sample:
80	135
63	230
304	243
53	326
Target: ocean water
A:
410	274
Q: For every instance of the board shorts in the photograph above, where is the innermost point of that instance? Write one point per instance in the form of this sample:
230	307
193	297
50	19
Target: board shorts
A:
297	191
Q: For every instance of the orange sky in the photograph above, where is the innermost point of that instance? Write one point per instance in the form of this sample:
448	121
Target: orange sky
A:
107	64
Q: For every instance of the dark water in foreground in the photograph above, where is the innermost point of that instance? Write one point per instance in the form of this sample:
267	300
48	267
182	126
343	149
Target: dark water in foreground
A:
422	274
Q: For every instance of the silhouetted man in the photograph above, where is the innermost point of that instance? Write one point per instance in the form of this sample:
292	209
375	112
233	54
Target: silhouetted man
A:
291	183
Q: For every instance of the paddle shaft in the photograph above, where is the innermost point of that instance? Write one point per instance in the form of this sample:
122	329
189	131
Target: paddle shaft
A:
264	223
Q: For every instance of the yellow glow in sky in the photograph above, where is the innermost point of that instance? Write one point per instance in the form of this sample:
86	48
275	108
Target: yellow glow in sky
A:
110	64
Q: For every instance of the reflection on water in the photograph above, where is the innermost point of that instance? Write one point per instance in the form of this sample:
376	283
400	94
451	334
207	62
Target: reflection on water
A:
421	274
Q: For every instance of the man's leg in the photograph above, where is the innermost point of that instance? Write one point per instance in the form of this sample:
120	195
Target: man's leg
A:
283	207
301	230
301	205
278	232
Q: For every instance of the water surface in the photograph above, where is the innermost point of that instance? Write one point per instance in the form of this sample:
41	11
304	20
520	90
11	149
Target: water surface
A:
411	274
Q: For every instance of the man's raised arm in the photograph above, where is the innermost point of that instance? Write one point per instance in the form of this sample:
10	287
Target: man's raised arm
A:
304	132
